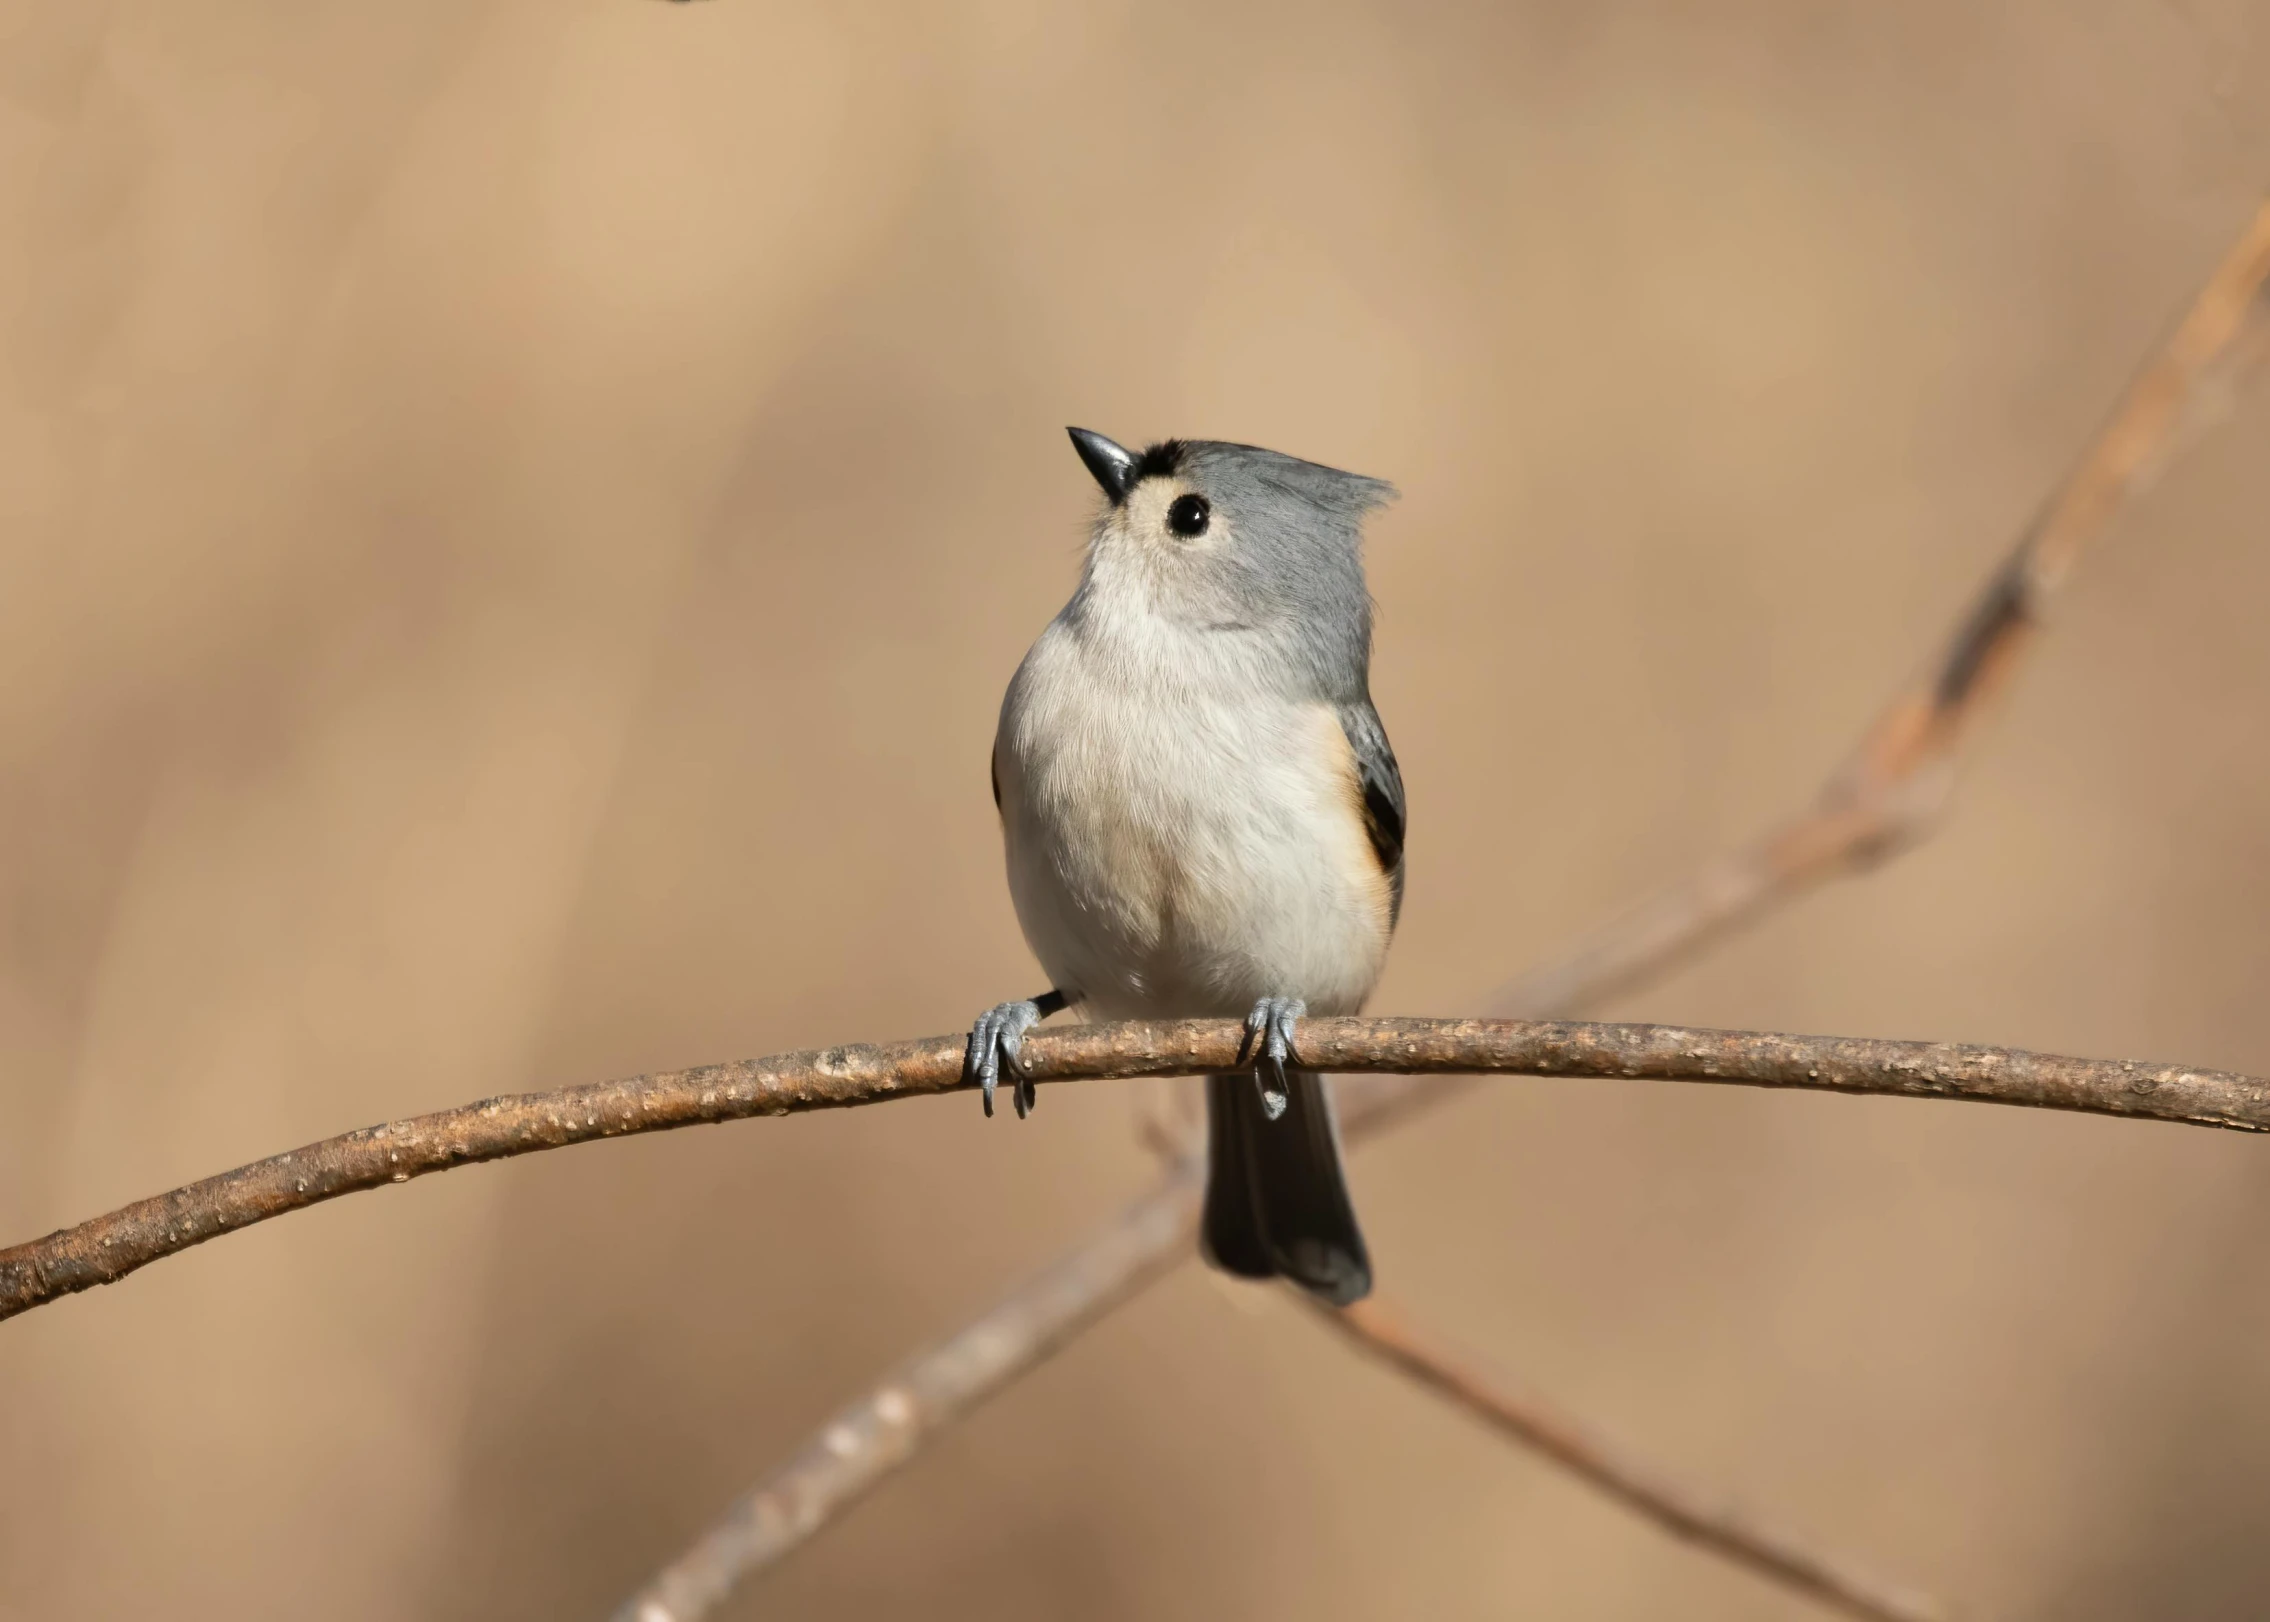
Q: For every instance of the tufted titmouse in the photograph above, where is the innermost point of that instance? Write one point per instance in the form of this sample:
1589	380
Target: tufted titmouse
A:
1203	817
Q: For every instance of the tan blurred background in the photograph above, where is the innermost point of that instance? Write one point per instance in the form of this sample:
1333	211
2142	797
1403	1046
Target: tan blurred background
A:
517	519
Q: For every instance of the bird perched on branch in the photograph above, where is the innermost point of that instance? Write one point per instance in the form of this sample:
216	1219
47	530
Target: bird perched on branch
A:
1203	817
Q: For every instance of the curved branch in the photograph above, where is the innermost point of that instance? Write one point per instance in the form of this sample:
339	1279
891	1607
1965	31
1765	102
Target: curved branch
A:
109	1247
1680	1508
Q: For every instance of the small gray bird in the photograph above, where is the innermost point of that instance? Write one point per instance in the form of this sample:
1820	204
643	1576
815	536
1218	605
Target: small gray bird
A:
1203	817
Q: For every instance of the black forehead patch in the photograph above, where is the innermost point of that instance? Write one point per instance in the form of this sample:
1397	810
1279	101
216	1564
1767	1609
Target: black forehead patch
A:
1160	461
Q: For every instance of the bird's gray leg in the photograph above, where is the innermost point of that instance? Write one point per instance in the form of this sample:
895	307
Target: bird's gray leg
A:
1269	1037
994	1040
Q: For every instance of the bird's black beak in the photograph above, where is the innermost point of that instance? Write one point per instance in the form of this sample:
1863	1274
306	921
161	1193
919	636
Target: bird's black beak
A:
1113	465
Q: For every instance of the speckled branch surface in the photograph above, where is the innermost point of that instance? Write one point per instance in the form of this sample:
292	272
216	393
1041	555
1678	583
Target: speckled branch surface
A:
1887	796
109	1247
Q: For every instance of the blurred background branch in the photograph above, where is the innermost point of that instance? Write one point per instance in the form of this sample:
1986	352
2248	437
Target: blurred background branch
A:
1680	1508
1895	785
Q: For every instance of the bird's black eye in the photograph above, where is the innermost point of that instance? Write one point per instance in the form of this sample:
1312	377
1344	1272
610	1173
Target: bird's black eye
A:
1188	516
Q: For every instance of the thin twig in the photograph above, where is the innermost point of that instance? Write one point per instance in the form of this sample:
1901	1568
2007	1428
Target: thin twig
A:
107	1248
1887	795
865	1442
1892	789
1678	1507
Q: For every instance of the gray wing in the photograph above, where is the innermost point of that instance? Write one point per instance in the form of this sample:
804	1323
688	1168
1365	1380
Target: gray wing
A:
1383	791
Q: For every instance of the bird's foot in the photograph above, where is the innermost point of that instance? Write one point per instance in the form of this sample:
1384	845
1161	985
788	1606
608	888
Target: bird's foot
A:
993	1043
1269	1037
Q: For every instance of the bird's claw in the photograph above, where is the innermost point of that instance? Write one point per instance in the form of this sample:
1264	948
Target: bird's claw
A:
993	1043
1269	1037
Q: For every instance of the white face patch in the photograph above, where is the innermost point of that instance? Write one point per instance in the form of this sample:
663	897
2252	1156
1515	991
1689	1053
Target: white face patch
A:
1142	567
1143	520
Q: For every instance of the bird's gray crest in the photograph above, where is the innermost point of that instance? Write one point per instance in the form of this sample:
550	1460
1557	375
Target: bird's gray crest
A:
1255	481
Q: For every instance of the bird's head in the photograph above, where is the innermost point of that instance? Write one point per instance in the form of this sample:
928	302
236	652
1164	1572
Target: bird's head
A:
1229	538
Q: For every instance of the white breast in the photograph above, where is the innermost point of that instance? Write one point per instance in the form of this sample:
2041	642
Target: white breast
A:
1180	842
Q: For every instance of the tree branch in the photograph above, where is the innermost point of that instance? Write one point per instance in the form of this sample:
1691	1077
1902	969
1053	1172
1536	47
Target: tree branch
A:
1892	789
865	1442
1886	797
109	1247
1678	1507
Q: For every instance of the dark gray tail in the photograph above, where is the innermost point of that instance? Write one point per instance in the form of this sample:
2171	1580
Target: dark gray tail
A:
1276	1200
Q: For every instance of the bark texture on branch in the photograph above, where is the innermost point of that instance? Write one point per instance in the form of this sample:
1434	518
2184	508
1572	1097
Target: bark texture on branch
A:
109	1247
1680	1508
